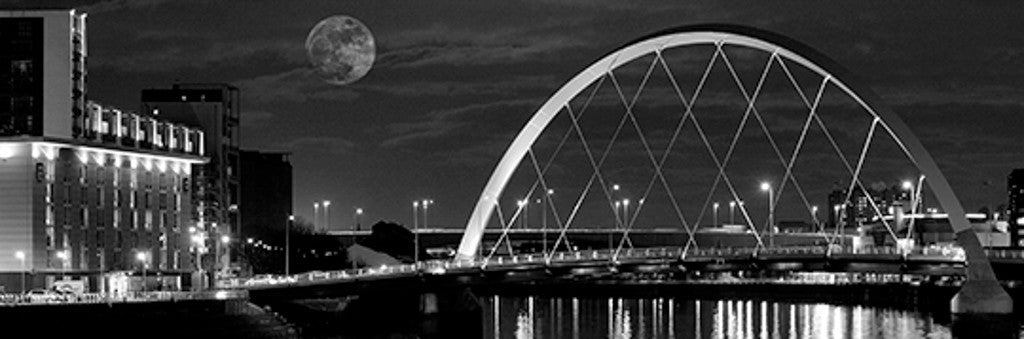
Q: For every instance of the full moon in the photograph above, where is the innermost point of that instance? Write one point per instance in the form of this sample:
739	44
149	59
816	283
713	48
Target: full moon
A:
341	49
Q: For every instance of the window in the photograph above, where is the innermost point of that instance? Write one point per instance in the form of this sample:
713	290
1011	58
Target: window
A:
177	260
84	215
135	220
117	198
83	171
85	195
163	219
117	176
51	238
99	239
149	220
117	219
49	214
83	257
118	239
21	68
99	197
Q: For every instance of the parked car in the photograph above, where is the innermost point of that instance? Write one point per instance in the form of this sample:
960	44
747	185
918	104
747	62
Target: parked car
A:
44	295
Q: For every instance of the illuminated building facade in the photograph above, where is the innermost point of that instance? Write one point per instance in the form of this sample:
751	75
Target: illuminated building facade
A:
214	108
1015	208
88	194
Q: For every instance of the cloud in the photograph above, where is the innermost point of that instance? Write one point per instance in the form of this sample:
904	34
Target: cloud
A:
251	119
165	52
442	45
333	145
117	5
443	123
296	85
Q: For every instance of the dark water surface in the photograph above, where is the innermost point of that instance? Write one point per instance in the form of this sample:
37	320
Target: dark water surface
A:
590	317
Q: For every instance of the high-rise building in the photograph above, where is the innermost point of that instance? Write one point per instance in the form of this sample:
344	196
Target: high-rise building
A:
89	195
214	108
266	194
1015	208
42	72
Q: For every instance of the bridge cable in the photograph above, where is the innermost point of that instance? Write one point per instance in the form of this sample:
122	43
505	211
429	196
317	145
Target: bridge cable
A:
771	139
721	164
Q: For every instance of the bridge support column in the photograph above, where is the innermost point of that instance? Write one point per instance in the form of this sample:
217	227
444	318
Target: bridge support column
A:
982	308
981	292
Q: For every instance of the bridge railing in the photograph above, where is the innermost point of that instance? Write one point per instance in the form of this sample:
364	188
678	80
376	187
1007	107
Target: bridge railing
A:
602	255
127	297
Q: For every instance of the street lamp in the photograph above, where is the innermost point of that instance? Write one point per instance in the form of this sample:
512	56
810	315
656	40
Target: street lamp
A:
327	214
544	221
359	213
288	244
63	256
814	213
316	216
771	212
143	259
732	212
21	256
416	233
426	204
715	207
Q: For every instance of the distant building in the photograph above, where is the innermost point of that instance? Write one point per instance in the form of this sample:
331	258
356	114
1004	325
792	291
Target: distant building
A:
266	194
1015	209
858	208
935	229
215	109
89	195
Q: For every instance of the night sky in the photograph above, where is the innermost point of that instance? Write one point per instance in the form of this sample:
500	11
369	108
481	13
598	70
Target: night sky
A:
454	81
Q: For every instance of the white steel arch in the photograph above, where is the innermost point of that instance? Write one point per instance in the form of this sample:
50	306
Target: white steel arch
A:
735	36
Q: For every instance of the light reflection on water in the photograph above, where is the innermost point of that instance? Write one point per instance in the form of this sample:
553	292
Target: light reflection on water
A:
626	318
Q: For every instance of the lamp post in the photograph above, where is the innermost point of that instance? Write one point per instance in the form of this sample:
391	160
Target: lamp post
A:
63	256
21	256
715	216
199	244
814	213
356	217
544	221
327	214
732	210
316	216
288	245
415	233
835	215
771	212
143	259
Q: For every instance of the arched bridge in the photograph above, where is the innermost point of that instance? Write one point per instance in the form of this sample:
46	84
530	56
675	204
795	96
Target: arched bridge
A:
669	129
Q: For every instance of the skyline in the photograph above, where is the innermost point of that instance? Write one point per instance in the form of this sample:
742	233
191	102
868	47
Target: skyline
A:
424	121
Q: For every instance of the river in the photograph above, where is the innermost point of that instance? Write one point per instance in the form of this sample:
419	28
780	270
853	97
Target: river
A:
593	317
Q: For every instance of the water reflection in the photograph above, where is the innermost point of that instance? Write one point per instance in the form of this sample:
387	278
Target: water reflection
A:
614	318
